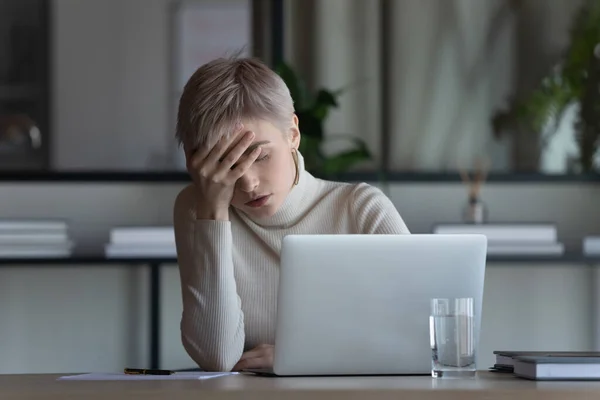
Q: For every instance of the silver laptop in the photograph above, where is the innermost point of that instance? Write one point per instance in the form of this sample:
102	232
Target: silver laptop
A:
360	304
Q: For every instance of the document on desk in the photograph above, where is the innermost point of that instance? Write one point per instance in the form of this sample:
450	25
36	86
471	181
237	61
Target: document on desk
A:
103	376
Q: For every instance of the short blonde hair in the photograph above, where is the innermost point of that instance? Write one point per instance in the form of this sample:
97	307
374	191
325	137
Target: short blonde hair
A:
225	91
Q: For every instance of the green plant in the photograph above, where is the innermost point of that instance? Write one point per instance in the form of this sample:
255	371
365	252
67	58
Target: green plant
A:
588	124
574	79
312	111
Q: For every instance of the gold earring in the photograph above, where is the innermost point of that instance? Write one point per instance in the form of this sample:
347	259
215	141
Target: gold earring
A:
295	157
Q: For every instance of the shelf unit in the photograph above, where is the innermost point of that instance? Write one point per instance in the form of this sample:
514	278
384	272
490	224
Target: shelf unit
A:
155	265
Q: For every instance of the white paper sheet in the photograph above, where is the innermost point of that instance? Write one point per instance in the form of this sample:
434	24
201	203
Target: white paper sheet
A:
102	376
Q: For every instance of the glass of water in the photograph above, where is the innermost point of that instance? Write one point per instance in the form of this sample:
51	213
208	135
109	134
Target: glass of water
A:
451	330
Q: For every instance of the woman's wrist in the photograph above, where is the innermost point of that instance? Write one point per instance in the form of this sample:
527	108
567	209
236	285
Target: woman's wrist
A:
212	213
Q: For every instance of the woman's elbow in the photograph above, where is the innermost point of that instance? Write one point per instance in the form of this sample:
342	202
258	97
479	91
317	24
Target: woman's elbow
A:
214	359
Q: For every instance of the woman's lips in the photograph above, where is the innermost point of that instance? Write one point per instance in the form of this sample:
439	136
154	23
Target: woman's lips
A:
258	202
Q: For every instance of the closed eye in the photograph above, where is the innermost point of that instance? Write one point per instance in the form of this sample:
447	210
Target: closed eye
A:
262	158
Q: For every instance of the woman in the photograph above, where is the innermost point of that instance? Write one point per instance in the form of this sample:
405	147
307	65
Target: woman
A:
237	125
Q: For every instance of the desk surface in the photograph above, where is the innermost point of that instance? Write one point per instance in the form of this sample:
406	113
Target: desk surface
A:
489	386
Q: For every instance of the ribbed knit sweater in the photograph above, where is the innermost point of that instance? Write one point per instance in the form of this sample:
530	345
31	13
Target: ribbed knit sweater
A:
230	269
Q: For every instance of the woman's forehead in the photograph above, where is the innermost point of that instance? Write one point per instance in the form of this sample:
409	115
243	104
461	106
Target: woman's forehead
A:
263	130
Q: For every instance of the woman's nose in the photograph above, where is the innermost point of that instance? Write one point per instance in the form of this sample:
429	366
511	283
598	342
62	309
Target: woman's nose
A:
248	182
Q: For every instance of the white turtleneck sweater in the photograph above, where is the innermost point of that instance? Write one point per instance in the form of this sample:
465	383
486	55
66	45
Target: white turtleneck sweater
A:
230	269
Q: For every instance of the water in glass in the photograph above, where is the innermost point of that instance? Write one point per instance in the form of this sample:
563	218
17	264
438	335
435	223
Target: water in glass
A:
452	344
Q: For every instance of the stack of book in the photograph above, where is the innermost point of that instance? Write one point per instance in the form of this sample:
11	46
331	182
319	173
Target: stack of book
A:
591	245
506	239
34	238
549	365
141	241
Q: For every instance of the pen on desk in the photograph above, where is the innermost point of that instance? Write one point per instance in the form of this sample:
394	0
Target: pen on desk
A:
143	371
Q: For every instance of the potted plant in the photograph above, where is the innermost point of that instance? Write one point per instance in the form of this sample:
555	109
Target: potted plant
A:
312	111
574	80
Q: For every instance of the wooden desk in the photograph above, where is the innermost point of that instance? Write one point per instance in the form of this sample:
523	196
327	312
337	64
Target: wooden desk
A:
488	386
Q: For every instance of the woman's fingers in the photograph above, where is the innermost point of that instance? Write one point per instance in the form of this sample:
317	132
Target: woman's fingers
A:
234	155
201	155
244	163
259	357
258	351
226	143
257	362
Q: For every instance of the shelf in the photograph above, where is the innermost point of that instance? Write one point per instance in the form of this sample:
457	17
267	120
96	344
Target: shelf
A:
93	176
566	258
182	177
97	259
86	260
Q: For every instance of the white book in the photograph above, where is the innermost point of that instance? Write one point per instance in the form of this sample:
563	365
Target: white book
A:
526	249
35	251
557	368
24	237
35	225
541	232
140	250
62	245
132	235
591	245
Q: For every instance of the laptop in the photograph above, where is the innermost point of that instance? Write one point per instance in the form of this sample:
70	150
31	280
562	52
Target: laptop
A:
360	304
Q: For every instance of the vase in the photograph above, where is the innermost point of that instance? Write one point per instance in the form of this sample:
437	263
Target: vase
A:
475	211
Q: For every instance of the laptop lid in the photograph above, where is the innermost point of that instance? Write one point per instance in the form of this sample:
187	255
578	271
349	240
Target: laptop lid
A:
360	304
